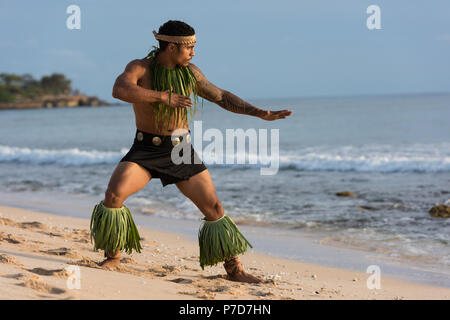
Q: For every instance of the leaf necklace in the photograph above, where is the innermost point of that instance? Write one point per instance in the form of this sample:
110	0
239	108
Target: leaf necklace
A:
180	80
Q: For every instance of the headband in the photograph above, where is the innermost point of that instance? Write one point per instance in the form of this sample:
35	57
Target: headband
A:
176	39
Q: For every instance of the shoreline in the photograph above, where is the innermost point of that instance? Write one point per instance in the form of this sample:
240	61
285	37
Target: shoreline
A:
281	243
37	247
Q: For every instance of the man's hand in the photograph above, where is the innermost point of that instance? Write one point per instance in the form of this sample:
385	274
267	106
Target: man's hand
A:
176	100
274	115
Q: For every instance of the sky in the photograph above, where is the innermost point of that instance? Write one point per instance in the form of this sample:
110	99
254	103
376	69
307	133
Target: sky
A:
254	48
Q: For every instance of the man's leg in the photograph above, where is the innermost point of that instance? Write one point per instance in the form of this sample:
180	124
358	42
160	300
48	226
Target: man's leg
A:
127	179
200	189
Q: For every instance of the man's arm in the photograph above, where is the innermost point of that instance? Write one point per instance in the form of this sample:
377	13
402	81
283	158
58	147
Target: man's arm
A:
231	102
126	88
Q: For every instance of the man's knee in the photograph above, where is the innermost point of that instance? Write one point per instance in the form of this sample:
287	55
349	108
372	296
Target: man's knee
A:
113	199
218	206
216	209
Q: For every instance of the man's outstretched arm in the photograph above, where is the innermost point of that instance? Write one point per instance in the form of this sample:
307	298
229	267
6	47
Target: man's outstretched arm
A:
231	102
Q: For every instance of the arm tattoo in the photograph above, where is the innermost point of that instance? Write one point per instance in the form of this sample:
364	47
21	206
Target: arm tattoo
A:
223	98
209	91
235	104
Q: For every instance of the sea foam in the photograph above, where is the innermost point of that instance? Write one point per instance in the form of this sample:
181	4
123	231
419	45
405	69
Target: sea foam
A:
373	158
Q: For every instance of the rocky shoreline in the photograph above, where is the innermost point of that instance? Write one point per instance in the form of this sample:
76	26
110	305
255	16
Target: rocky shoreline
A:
59	101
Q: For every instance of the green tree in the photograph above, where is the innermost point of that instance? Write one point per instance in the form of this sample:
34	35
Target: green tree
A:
14	87
32	87
5	95
12	84
56	83
11	79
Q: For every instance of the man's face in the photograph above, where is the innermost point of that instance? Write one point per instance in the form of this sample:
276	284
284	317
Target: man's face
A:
183	54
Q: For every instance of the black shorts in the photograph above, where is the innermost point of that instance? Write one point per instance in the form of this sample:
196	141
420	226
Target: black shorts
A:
157	160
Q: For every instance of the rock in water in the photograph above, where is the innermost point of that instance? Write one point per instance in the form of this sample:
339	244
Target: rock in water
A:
366	208
440	211
346	194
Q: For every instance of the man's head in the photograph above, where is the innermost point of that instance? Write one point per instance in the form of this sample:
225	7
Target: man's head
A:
179	53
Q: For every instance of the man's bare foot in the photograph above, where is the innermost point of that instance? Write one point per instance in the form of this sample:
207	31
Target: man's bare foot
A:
112	260
236	272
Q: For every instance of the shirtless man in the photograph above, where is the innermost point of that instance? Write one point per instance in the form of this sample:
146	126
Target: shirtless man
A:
134	85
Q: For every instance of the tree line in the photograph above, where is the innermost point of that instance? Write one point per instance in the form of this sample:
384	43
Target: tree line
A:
15	88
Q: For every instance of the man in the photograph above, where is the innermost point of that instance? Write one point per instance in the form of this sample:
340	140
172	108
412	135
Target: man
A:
159	87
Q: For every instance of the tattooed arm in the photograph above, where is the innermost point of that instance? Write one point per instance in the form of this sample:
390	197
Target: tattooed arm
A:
231	102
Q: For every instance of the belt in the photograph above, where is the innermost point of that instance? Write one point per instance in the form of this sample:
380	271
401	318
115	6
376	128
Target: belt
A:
147	138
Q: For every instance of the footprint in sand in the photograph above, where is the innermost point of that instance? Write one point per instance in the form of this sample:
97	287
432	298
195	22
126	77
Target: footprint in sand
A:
128	261
172	269
207	291
190	293
192	269
59	273
41	286
81	234
219	289
164	270
10	260
199	293
259	293
269	282
8	238
218	285
76	236
7	222
35	282
191	258
86	262
131	270
25	225
181	280
66	252
32	225
206	295
217	276
25	277
225	290
81	231
81	240
52	234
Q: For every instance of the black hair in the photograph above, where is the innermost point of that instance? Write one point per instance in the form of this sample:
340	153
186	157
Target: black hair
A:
174	28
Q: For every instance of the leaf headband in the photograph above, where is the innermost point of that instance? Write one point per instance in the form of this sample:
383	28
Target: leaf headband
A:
175	39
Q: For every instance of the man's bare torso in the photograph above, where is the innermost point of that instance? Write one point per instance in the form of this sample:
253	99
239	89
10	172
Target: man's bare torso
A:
145	120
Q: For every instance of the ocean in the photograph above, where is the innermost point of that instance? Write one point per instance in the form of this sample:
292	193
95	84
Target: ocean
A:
392	152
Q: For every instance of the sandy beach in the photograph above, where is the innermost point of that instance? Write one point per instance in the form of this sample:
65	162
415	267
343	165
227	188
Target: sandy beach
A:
47	256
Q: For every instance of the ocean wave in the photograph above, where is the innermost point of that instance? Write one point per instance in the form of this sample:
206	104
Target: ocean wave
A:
372	158
365	163
63	157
